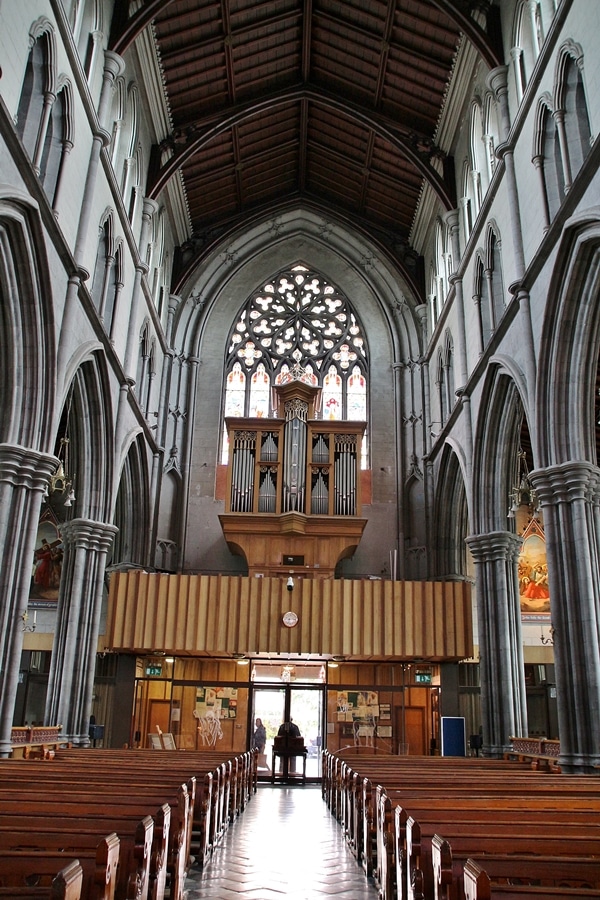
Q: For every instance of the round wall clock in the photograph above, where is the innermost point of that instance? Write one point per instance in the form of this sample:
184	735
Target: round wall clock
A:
290	619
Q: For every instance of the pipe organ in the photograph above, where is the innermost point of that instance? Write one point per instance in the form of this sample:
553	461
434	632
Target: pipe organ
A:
293	486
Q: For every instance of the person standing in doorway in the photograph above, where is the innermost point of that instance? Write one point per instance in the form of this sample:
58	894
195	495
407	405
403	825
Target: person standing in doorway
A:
259	738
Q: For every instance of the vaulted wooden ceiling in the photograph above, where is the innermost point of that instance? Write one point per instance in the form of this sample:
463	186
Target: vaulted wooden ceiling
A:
333	103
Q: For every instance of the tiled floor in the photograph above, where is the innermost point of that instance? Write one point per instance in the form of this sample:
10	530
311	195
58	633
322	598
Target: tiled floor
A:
285	844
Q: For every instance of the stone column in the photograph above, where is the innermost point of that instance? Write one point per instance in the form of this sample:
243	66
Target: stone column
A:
24	474
569	495
503	700
71	680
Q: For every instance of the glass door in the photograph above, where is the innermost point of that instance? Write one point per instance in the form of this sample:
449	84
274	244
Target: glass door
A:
306	710
304	706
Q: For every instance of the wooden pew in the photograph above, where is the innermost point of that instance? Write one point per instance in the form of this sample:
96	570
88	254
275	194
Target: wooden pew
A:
128	767
118	812
421	780
546	871
66	885
488	836
39	866
479	887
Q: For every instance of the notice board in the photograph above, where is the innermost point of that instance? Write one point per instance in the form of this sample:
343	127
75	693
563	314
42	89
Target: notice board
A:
453	736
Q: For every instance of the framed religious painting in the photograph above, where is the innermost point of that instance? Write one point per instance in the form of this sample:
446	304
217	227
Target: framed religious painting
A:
534	593
47	561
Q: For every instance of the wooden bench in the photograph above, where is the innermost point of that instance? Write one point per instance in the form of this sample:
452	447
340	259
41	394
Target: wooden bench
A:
112	777
472	801
477	886
540	869
39	866
67	885
70	835
116	812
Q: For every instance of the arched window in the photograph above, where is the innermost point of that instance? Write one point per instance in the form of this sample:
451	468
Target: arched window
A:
130	138
572	109
490	133
551	168
58	143
448	361
156	274
118	118
38	90
143	364
440	382
527	41
296	319
104	262
477	158
466	201
482	305
88	33
496	286
115	287
442	263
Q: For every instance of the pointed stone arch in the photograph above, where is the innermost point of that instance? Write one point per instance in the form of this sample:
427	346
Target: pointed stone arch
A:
451	516
570	345
132	509
495	447
26	335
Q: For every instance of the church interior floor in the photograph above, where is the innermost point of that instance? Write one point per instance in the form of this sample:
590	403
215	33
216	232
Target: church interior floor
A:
285	844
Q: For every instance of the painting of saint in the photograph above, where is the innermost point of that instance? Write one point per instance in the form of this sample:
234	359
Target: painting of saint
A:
533	571
47	563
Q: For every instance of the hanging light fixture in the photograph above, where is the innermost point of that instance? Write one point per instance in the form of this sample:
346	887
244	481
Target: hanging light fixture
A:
62	482
523	492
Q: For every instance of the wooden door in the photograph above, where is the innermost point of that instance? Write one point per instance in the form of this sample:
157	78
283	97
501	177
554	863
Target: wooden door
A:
159	714
414	731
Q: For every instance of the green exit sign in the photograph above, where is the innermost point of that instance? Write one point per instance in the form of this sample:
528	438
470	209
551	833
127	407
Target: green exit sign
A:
423	677
153	670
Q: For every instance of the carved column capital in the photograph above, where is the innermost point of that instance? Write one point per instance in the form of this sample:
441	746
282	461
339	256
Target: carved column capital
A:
494	546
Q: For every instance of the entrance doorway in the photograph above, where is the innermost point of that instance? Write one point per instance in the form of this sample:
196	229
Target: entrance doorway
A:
304	705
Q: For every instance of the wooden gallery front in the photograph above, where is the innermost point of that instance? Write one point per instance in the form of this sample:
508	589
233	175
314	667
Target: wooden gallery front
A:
370	663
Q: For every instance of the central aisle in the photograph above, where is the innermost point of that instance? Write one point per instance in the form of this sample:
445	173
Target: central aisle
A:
285	844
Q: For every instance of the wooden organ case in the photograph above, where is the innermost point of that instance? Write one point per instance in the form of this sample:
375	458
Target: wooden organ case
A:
293	500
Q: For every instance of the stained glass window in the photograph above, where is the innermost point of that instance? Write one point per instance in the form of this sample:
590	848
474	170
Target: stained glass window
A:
297	318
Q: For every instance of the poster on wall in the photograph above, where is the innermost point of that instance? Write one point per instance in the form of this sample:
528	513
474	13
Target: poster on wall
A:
353	705
221	702
47	561
534	592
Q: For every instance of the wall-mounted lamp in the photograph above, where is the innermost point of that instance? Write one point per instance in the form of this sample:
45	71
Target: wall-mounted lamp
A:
290	584
241	659
549	639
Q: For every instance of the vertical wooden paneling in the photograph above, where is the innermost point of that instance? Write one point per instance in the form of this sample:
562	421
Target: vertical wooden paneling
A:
220	614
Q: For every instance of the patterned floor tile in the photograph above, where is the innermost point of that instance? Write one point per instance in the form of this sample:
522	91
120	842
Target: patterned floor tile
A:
285	845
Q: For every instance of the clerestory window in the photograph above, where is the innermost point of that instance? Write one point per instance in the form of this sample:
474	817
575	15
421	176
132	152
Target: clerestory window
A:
296	319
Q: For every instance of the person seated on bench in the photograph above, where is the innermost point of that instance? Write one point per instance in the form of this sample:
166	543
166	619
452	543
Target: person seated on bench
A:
288	730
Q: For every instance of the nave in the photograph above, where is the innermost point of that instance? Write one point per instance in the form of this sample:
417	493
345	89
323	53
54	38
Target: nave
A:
285	844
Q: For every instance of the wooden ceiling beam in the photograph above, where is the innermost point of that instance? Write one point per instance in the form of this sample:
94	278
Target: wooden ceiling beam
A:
124	36
306	40
202	134
459	11
385	49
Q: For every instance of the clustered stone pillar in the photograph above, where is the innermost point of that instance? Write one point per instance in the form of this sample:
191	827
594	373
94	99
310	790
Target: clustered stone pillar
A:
24	474
569	495
503	699
71	680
